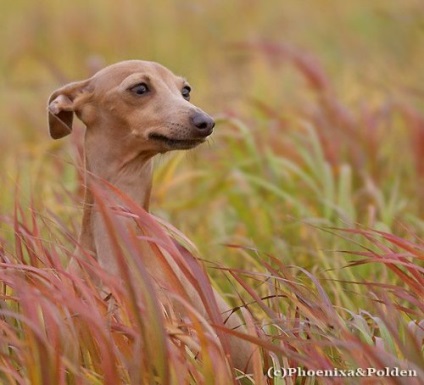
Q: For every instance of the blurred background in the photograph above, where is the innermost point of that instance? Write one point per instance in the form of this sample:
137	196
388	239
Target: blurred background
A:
319	104
377	46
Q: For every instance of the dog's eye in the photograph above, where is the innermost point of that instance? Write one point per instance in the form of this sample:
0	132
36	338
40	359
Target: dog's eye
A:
140	89
186	92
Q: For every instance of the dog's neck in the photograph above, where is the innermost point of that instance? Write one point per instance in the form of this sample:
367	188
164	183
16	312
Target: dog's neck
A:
129	172
123	167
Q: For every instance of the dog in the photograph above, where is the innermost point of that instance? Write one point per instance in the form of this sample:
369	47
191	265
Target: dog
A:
134	110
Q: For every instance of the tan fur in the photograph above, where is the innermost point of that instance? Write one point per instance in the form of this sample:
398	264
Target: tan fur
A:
120	141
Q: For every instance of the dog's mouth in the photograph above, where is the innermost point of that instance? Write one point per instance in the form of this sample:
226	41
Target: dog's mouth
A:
176	143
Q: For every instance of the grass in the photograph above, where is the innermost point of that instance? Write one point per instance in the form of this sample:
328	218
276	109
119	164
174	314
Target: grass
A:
305	207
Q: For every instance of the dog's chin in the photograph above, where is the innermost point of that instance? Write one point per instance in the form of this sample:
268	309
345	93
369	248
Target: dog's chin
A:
175	143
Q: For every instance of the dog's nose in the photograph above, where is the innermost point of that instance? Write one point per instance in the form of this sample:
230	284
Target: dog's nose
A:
203	122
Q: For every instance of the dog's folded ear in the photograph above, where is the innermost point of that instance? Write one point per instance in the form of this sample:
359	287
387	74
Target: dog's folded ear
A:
61	108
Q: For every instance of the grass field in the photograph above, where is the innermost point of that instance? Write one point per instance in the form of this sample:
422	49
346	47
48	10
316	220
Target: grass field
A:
306	206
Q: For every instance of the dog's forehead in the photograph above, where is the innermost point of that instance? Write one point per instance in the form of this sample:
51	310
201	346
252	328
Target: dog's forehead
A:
115	74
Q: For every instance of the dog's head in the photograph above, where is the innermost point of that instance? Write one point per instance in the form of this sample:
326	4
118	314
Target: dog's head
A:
132	102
